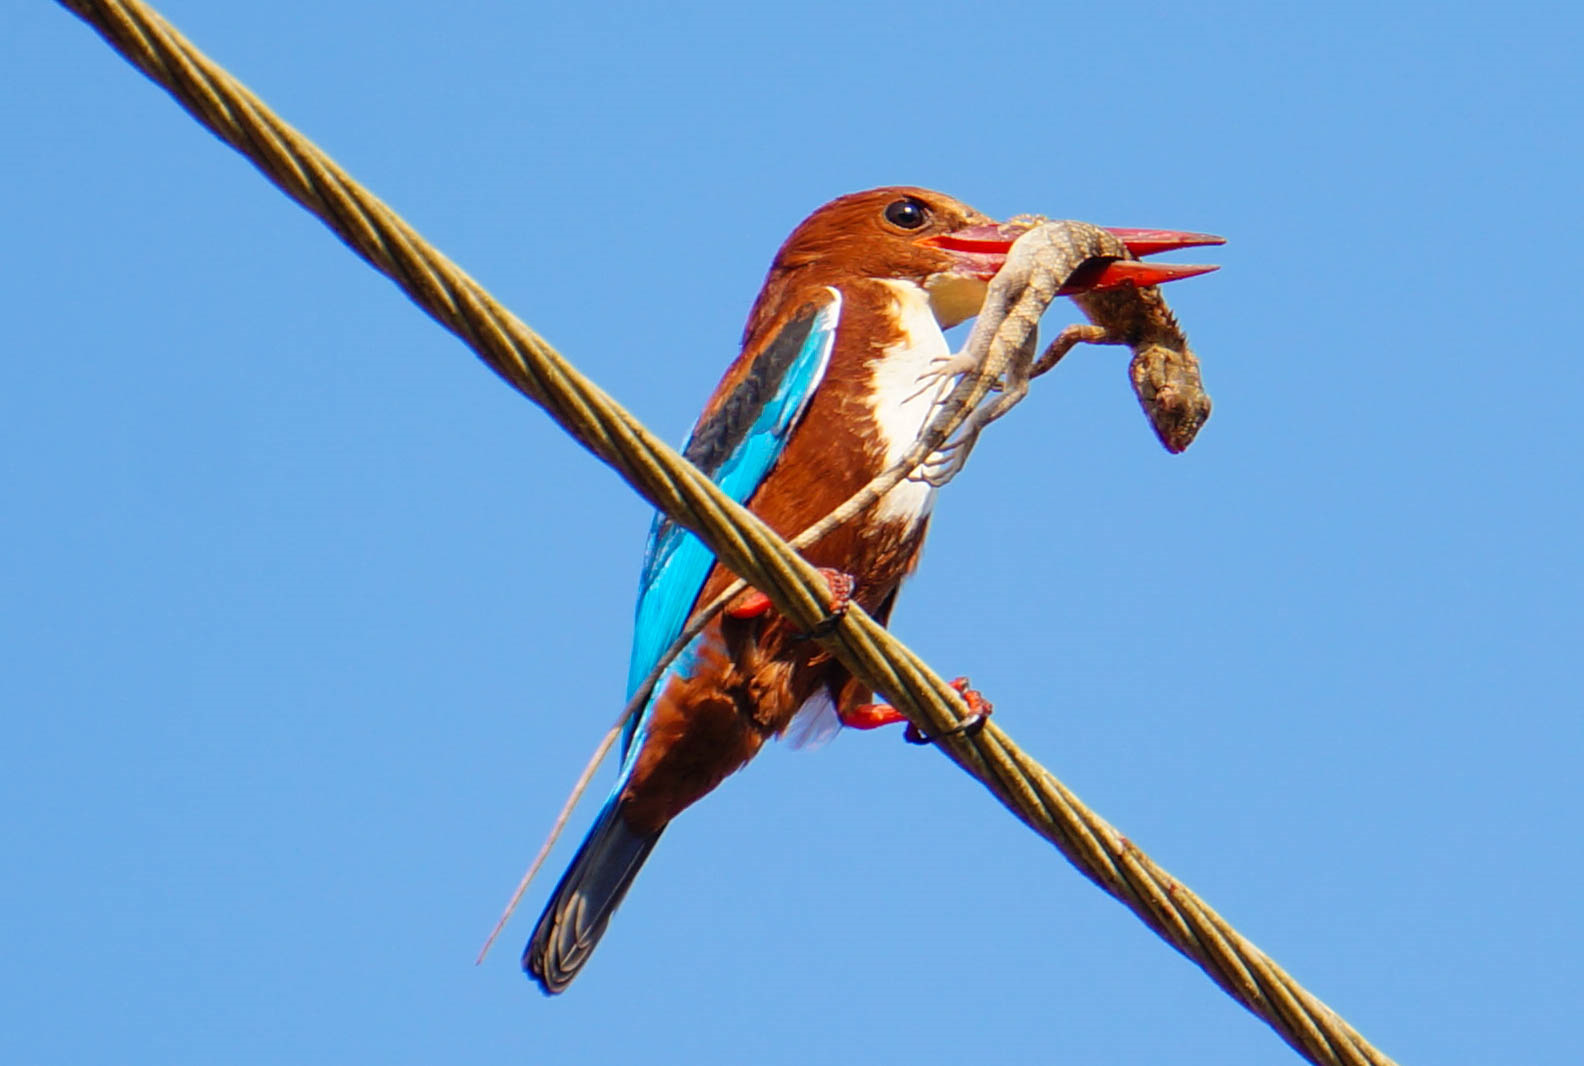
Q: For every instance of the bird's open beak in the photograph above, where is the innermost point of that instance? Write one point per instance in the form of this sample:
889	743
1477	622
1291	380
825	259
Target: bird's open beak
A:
981	251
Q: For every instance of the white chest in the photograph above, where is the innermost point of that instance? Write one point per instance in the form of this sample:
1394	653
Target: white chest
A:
902	397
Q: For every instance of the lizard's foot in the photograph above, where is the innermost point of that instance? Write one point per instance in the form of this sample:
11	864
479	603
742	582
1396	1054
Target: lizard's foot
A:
948	462
941	370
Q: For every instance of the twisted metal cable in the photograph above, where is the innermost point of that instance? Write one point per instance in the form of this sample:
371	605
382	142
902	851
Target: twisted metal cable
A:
738	538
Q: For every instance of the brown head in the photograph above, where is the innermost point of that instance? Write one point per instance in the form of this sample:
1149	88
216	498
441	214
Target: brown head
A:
888	233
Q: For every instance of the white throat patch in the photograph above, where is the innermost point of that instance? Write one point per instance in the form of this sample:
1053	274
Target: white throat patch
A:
899	398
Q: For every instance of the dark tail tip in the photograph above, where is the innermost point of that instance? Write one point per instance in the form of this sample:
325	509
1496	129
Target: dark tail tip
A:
582	903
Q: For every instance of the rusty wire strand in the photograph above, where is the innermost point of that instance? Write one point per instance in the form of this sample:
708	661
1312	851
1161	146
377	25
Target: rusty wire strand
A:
738	538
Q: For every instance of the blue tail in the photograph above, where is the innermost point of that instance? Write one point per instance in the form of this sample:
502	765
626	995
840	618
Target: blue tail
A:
581	905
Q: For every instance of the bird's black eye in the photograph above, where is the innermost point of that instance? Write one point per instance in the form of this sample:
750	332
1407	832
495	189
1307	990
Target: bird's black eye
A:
907	213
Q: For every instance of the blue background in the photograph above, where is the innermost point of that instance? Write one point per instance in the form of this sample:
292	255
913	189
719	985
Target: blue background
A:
309	622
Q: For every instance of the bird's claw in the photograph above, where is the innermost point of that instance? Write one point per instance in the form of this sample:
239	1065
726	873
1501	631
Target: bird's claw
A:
752	603
874	715
979	711
842	586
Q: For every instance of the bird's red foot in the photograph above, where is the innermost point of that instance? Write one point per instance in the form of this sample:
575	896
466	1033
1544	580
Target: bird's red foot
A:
871	716
753	603
875	715
842	586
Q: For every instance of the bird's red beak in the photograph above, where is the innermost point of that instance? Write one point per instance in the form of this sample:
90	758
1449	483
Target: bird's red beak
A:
981	251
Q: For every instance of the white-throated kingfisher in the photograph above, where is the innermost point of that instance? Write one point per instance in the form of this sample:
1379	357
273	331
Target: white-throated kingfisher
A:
825	395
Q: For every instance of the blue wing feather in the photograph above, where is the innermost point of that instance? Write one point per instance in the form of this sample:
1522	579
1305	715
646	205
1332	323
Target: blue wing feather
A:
737	447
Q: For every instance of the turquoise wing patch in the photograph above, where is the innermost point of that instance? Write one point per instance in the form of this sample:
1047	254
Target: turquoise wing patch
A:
736	446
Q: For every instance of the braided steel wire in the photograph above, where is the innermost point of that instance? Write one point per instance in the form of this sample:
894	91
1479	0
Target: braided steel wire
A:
738	538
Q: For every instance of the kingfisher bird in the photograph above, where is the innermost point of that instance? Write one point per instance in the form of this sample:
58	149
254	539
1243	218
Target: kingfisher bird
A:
825	395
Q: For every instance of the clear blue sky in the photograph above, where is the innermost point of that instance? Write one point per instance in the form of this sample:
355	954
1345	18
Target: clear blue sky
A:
310	622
